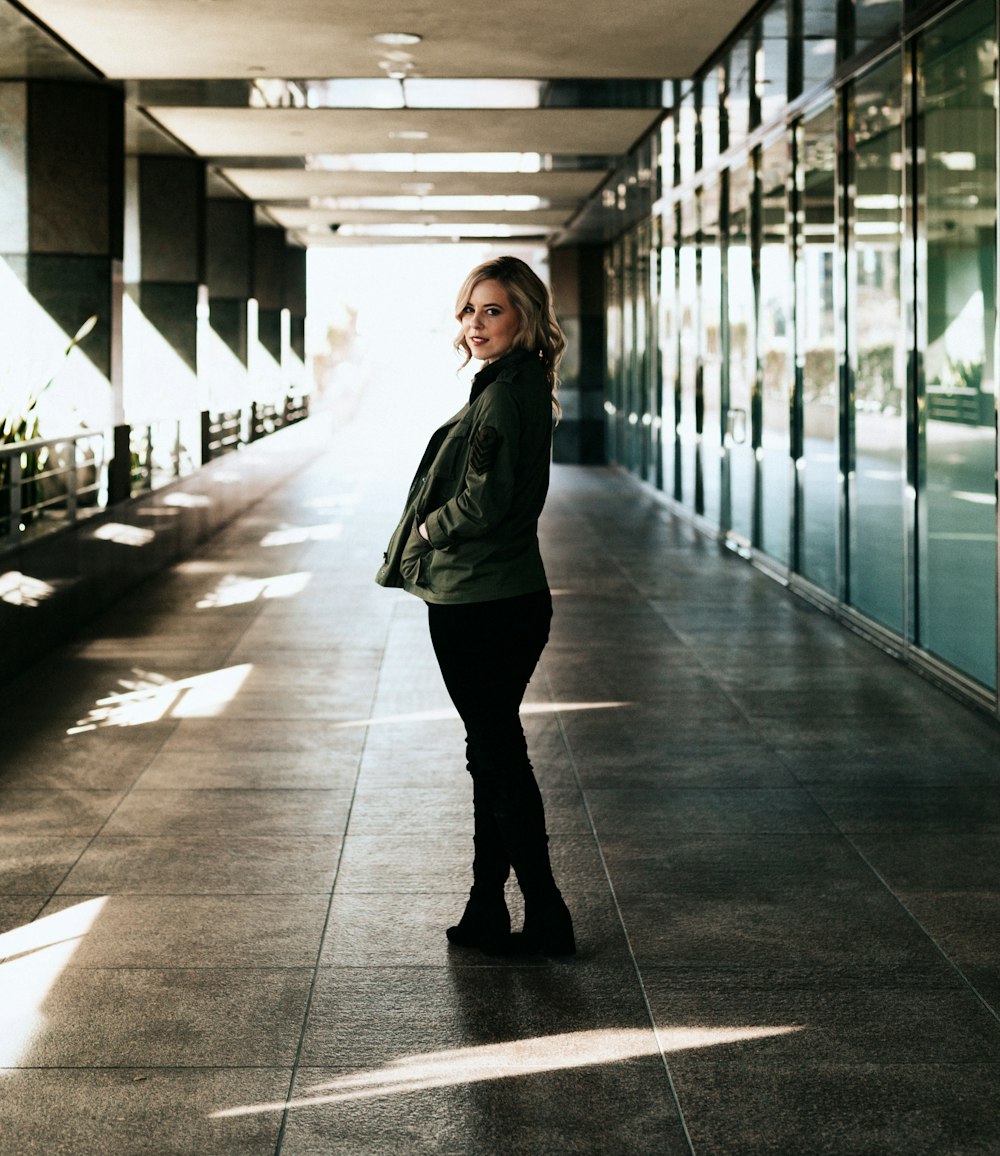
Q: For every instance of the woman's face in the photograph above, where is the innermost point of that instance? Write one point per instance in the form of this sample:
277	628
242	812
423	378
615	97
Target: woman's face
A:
489	321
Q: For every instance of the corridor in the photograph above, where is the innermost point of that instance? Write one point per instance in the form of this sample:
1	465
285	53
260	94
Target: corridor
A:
235	821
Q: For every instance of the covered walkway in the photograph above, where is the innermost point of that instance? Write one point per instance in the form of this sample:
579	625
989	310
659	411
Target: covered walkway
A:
234	822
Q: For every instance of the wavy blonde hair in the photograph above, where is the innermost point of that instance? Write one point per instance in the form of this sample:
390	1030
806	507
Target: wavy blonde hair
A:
538	330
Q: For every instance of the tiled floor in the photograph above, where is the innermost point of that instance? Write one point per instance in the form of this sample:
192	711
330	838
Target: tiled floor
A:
238	812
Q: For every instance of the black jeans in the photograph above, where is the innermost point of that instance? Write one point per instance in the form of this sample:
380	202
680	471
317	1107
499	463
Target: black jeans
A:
487	652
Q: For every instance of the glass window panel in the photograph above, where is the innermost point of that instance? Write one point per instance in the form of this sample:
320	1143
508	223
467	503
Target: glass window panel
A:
878	345
819	42
874	21
818	469
710	355
771	64
738	91
615	403
631	399
668	154
669	353
776	351
741	306
687	123
956	134
687	286
710	118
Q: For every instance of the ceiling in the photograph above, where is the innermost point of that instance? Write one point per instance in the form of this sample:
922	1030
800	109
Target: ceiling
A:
495	122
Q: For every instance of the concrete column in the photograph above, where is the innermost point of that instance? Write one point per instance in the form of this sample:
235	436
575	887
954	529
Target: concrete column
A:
229	275
61	231
269	293
296	375
577	276
165	286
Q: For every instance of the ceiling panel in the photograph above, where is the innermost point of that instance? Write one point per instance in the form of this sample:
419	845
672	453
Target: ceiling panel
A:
301	184
312	38
221	132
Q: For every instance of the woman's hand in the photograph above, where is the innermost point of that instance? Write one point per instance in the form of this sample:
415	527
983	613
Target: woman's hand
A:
422	531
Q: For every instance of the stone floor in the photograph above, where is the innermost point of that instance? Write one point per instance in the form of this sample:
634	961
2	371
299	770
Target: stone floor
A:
234	823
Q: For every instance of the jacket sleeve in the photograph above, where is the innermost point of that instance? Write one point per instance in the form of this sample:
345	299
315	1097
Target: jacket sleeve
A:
488	487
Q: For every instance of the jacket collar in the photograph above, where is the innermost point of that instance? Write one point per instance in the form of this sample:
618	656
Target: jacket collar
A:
502	369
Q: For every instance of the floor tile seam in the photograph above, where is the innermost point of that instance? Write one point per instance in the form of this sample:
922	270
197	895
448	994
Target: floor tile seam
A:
317	964
964	979
628	941
153	754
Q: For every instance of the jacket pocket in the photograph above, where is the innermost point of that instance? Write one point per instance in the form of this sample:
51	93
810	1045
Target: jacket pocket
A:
415	551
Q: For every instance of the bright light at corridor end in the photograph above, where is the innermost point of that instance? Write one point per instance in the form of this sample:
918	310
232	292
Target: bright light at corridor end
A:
504	1061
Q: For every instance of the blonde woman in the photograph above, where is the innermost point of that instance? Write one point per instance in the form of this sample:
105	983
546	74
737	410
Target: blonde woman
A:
467	544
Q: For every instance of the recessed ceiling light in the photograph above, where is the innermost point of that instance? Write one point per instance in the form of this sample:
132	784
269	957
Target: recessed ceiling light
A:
396	38
409	134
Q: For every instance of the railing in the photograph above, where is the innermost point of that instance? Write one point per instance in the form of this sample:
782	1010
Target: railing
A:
49	483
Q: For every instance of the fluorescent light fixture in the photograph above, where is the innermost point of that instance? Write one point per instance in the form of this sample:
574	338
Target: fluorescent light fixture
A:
426	162
877	201
440	204
396	39
439	230
409	134
957	162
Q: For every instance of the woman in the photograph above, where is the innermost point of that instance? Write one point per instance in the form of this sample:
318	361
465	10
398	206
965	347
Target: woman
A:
467	544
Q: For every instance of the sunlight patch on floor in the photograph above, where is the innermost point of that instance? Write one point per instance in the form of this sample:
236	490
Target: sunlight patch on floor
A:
446	713
35	956
151	697
507	1060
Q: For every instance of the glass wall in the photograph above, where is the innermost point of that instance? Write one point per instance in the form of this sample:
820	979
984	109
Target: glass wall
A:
955	129
741	355
877	339
776	350
825	302
710	352
818	454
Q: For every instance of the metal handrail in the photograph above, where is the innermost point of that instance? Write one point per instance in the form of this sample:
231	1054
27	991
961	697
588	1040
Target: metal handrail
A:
43	480
48	483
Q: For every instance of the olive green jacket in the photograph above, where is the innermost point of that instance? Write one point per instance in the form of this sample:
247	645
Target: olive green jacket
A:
480	488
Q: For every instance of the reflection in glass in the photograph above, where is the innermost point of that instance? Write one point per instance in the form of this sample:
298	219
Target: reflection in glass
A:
876	512
775	338
710	355
738	91
687	426
956	131
709	117
819	43
613	371
687	123
741	303
669	352
771	64
818	470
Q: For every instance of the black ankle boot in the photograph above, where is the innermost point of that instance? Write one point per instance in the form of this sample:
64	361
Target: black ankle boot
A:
548	926
484	924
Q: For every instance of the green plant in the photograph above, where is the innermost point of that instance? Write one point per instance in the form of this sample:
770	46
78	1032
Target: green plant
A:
21	424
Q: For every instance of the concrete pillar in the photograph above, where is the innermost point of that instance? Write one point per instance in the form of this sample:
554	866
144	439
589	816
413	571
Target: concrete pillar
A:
61	235
296	377
269	293
229	239
577	277
163	338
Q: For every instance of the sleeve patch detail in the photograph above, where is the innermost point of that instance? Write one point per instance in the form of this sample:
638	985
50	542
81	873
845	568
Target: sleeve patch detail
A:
485	447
